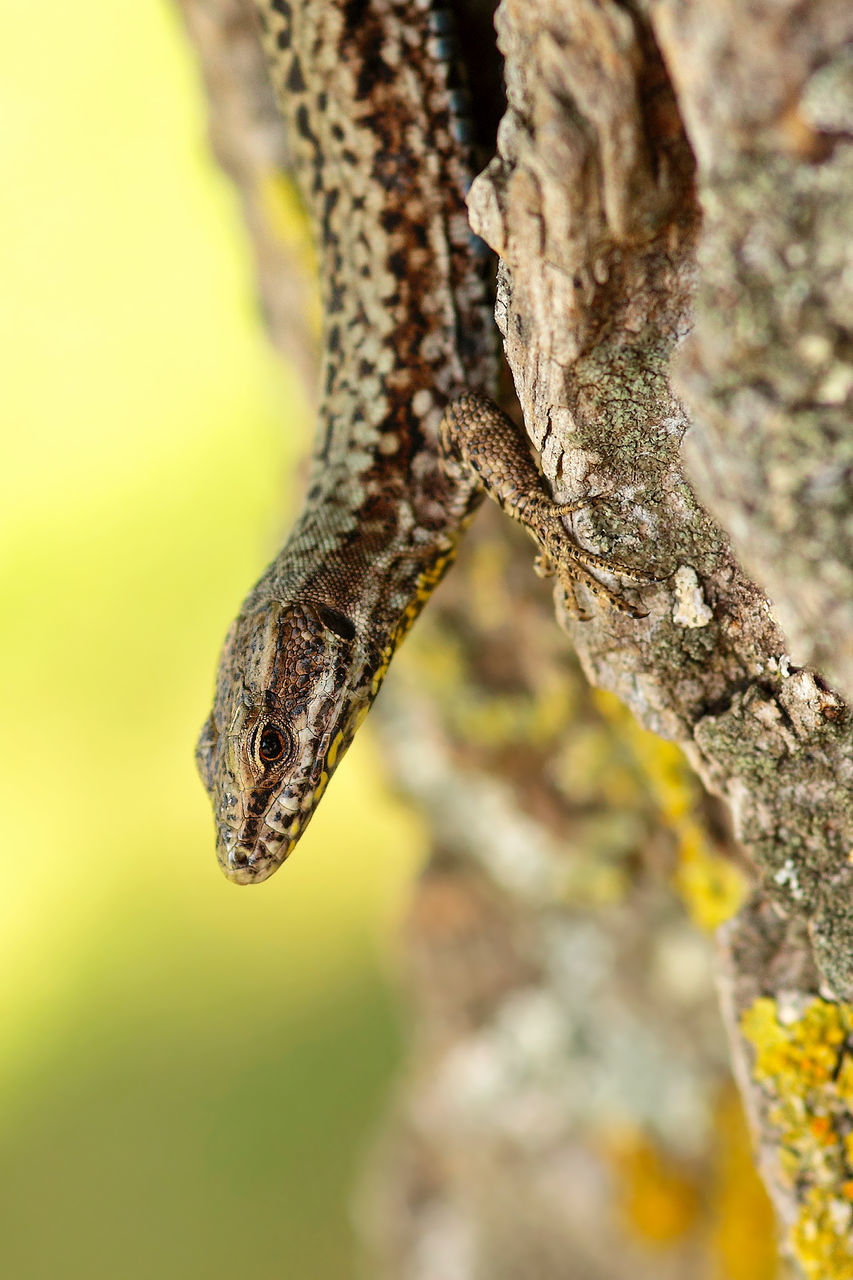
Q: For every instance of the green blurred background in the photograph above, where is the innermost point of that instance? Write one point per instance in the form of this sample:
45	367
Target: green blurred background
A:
189	1070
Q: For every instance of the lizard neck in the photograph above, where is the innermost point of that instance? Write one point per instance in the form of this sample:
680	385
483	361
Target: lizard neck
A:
366	558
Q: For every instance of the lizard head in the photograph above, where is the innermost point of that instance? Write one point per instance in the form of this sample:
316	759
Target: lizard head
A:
294	683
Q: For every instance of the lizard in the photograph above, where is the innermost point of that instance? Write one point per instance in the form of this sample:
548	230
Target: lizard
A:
407	441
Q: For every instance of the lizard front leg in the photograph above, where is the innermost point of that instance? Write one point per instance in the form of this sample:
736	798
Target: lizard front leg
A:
478	437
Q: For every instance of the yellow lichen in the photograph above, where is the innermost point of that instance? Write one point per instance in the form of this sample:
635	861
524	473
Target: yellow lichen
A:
483	716
710	885
591	768
820	1238
844	1080
803	1065
743	1229
659	1199
802	1054
499	720
822	1131
662	762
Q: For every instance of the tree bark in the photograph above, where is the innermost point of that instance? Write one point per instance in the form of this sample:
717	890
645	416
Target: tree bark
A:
674	292
648	153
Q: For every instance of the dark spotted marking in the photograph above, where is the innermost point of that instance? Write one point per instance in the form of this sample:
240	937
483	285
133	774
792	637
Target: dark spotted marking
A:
295	79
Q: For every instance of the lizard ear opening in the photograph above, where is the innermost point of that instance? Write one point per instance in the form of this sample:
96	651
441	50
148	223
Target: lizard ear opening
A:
336	622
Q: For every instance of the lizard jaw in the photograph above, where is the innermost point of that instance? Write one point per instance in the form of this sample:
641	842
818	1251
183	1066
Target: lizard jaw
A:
253	860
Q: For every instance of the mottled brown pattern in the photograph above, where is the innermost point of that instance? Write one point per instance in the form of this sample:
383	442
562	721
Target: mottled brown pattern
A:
378	134
379	140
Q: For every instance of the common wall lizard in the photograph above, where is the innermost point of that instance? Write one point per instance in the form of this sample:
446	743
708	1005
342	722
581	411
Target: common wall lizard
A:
406	440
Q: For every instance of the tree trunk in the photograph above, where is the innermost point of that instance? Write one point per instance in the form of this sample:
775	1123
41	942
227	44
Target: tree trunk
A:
674	291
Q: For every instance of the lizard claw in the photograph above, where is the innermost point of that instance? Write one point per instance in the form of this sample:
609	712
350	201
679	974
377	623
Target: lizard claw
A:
568	508
543	565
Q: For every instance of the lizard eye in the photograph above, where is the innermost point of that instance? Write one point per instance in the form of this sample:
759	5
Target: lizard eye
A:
272	745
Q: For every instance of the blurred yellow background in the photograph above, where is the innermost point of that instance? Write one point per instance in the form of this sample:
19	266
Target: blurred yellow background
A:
188	1069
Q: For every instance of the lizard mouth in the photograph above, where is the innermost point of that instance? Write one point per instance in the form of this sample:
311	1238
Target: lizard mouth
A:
252	861
246	868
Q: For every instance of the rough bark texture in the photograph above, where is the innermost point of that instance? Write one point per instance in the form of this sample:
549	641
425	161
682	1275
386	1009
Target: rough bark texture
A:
660	165
766	94
591	205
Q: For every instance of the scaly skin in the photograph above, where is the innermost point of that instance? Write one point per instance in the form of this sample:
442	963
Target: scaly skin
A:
479	439
378	142
378	136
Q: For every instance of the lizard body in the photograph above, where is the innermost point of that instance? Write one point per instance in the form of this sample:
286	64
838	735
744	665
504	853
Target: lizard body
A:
378	143
378	135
